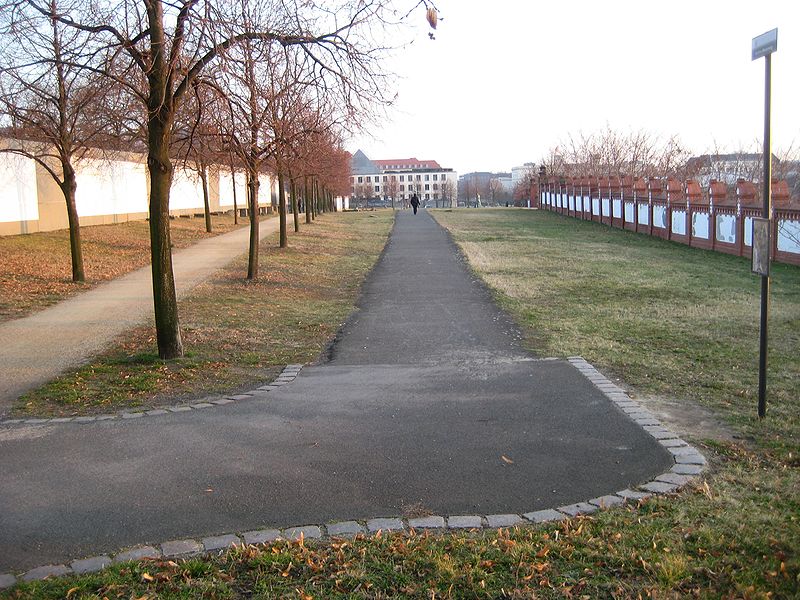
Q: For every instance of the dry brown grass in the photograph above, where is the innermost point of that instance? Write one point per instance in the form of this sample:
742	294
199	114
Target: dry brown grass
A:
36	270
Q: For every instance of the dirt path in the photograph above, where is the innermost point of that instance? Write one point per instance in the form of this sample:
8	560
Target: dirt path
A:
40	346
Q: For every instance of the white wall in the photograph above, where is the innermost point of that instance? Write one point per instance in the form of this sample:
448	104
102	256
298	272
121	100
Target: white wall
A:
110	187
186	191
18	196
226	189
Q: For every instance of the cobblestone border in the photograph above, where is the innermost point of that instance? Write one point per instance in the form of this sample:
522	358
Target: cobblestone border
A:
688	464
288	374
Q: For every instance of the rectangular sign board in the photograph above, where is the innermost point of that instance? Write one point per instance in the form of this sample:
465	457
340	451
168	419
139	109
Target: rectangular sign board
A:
761	235
766	43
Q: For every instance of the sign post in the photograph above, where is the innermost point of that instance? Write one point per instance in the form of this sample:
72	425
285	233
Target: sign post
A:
763	46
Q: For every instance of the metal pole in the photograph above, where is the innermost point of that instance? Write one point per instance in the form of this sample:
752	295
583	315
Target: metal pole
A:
767	197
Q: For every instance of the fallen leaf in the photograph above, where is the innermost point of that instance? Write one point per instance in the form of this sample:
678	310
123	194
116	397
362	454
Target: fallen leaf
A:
147	577
507	460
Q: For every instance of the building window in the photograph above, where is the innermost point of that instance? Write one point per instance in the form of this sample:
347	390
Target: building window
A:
427	187
427	196
435	176
394	178
444	176
427	177
402	188
377	189
385	178
435	186
435	196
402	177
419	177
360	180
369	179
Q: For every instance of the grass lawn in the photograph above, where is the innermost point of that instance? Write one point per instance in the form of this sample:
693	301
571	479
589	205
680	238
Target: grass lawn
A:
675	324
237	334
36	270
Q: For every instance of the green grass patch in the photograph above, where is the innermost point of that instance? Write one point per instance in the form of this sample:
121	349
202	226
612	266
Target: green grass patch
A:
666	319
237	333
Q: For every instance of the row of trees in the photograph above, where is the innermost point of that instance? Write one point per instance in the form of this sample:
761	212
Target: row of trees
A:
614	153
256	84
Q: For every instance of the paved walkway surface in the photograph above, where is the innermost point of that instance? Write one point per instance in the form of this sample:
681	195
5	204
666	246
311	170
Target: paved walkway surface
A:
37	348
428	403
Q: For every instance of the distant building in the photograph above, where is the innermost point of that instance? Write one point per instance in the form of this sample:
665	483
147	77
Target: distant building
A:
727	168
381	181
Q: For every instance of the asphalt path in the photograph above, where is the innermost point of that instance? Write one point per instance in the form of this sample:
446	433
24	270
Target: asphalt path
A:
426	402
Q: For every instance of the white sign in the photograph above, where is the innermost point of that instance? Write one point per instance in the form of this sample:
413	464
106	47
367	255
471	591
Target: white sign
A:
764	44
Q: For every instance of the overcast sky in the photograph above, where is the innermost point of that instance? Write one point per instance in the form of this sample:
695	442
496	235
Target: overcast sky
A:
506	80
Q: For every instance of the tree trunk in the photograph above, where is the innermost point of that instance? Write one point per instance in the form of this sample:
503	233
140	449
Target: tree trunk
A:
165	301
295	207
235	206
206	203
282	209
307	194
161	114
252	205
68	188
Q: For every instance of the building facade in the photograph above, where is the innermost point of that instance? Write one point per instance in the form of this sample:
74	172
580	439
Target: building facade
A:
396	180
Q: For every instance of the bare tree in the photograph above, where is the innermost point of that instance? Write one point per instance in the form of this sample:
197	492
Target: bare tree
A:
51	103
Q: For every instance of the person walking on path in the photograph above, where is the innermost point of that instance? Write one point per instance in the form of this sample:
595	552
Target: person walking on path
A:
414	203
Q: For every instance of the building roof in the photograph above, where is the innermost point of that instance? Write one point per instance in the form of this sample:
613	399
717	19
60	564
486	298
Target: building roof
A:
407	163
361	165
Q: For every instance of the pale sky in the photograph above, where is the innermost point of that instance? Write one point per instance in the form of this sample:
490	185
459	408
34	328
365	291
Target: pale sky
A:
506	80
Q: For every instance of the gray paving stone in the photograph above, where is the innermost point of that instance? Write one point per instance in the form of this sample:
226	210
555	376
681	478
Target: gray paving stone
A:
464	522
277	383
691	459
220	542
36	421
181	547
137	554
237	397
177	409
136	415
647	421
659	487
607	501
660	434
7	580
62	420
222	401
156	411
579	508
628	494
687	469
543	516
506	520
294	366
384	524
431	522
12	421
674	478
106	417
262	536
672	443
682	450
90	565
85	419
46	571
201	405
345	528
307	532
